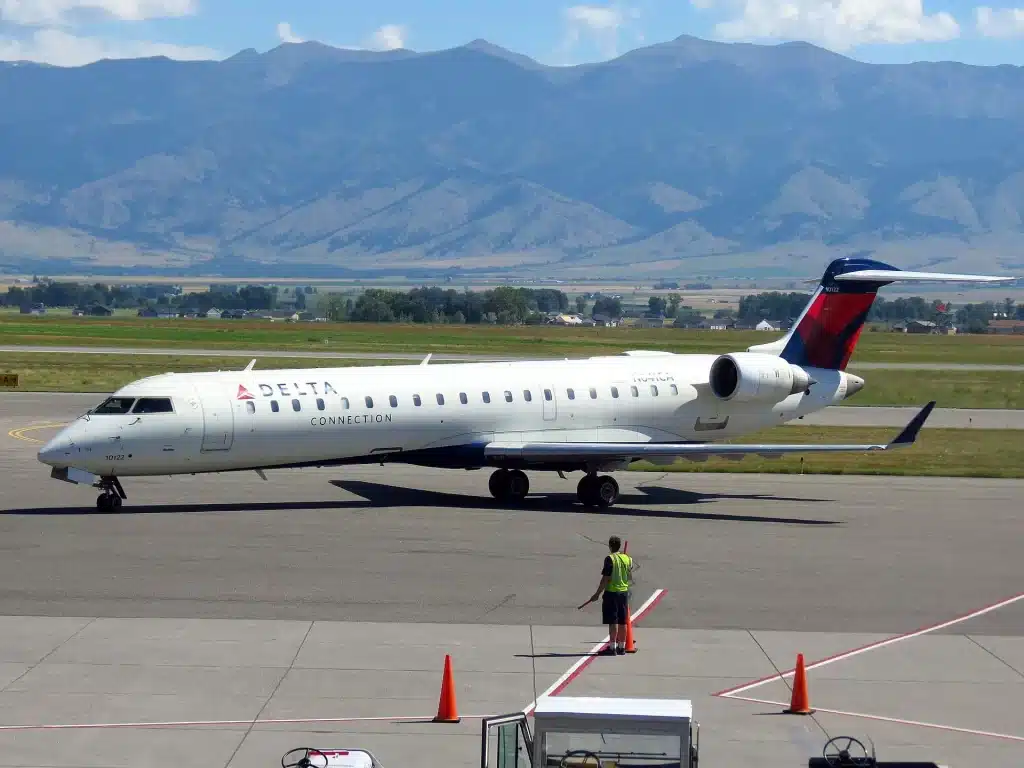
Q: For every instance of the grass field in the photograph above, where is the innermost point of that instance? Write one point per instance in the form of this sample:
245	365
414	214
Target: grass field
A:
69	372
541	341
937	453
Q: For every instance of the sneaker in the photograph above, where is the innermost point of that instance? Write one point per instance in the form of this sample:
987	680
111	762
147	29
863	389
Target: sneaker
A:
620	650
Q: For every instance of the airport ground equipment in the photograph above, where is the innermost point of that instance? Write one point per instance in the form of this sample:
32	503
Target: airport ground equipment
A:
848	752
594	732
310	757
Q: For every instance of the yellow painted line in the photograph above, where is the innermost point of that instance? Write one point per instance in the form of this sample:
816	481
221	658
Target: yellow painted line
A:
19	433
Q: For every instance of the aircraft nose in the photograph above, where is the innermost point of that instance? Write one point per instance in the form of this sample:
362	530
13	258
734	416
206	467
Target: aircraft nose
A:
57	452
854	384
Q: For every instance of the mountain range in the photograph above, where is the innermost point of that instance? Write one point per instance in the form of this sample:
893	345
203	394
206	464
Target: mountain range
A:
686	158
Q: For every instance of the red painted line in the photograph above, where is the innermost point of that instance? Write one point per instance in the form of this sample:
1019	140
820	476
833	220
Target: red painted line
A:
728	693
581	664
885	719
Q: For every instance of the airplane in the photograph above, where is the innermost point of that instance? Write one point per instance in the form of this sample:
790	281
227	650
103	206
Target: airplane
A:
595	415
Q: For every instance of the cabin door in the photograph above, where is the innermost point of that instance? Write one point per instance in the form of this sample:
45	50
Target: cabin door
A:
550	401
218	422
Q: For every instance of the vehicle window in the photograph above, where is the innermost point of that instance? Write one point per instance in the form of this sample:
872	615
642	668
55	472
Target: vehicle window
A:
462	398
344	403
369	402
634	391
393	400
440	399
547	394
115	405
416	400
250	406
615	391
153	405
674	388
654	389
571	393
320	405
274	406
487	397
508	396
296	405
527	396
593	394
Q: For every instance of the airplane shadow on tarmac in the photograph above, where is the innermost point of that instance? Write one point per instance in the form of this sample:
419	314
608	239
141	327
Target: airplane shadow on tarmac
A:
379	495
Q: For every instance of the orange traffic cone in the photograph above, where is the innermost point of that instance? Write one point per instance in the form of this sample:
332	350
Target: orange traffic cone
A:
447	712
800	704
630	645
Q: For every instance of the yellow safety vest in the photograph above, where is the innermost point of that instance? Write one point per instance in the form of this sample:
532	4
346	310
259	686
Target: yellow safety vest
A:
622	564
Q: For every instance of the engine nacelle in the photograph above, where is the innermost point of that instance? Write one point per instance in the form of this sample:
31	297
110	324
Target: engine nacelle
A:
749	377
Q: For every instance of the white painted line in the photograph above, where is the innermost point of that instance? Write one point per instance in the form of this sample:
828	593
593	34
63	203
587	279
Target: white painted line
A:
897	720
730	693
572	672
224	723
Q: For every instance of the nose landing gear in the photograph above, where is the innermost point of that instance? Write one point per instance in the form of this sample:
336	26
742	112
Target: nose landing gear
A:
112	494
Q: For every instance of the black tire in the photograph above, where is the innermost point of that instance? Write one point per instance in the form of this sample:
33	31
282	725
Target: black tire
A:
586	491
499	484
606	491
518	484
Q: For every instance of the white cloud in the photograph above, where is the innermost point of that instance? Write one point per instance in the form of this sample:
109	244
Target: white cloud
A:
63	12
598	23
1000	22
836	24
286	35
54	46
390	37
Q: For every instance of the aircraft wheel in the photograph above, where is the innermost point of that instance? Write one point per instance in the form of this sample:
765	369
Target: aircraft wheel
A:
108	502
606	490
586	491
500	484
518	484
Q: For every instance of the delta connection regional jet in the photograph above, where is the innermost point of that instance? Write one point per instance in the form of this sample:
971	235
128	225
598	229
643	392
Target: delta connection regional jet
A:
592	415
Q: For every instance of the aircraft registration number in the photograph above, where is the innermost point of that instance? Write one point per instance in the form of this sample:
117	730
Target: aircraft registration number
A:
116	457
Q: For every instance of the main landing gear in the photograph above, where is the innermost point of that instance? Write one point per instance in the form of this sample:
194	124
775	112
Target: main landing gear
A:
593	491
112	494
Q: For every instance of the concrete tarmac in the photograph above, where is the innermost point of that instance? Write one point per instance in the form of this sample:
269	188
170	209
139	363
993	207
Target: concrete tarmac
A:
259	616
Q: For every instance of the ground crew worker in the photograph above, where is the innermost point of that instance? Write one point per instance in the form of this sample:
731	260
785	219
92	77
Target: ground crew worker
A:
616	577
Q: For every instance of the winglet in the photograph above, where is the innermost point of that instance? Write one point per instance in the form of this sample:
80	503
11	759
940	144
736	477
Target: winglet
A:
427	359
251	364
909	434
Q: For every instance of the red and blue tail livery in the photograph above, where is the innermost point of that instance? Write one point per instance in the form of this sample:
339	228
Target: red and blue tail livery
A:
827	331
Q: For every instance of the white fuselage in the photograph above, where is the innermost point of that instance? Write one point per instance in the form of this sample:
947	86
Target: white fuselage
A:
438	415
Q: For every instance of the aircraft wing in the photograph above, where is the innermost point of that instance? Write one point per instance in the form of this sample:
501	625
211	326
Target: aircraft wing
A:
539	451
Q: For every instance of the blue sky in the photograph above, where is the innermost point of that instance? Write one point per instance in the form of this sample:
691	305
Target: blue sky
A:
72	32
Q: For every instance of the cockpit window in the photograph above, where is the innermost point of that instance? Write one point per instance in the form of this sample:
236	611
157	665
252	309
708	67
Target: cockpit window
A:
153	405
115	405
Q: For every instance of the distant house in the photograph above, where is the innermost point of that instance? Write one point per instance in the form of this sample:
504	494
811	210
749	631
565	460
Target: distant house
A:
98	310
214	313
1006	326
922	326
764	325
33	309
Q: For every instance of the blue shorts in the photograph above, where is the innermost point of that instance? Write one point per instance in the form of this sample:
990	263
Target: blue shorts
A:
614	607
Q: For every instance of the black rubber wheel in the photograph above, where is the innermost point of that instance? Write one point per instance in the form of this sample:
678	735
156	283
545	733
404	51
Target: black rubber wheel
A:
606	491
518	484
499	484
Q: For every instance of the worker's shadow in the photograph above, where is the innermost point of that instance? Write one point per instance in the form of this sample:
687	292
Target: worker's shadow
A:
380	495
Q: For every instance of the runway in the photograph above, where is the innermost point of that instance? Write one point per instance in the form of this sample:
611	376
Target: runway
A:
224	605
441	357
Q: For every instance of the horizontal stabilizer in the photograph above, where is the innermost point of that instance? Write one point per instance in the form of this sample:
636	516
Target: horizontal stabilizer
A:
894	275
541	452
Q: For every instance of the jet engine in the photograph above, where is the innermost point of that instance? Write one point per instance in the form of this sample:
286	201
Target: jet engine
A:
751	377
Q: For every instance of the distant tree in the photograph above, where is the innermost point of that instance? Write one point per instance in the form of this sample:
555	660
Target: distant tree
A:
656	305
673	304
581	304
606	305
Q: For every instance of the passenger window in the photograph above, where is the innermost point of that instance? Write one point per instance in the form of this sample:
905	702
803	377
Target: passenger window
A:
615	391
487	397
250	406
593	394
344	403
675	389
416	400
296	405
115	405
320	405
547	394
153	405
462	398
654	389
369	402
527	396
274	406
394	401
440	399
571	394
508	396
634	391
